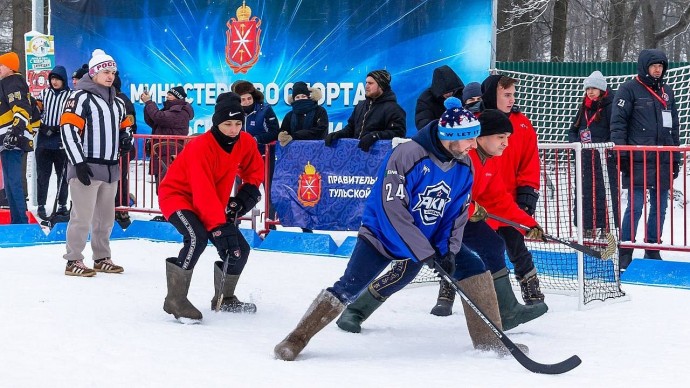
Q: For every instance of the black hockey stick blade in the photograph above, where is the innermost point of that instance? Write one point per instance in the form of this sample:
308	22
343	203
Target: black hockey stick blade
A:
578	247
529	364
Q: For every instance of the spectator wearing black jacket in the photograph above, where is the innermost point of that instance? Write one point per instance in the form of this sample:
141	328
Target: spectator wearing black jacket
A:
592	125
645	113
444	83
377	117
307	120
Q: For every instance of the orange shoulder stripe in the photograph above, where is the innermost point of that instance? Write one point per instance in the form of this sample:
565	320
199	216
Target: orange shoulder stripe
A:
72	118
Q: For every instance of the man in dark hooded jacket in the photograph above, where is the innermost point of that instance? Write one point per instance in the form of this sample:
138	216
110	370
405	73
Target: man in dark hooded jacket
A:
645	113
49	150
377	117
444	83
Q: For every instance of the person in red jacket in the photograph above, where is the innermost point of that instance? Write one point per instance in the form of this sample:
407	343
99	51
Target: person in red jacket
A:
195	198
520	172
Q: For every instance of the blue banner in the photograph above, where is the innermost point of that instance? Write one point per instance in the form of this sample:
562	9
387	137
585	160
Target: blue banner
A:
324	188
205	46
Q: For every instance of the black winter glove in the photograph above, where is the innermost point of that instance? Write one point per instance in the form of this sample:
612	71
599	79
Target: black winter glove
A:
11	141
328	140
676	169
224	238
367	141
447	262
84	173
527	198
147	147
246	198
125	142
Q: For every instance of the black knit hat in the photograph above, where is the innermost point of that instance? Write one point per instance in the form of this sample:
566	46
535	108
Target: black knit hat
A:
80	71
228	107
300	87
493	122
382	77
178	92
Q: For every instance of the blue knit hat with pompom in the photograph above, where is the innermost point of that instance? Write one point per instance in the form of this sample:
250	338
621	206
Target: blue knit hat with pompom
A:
457	123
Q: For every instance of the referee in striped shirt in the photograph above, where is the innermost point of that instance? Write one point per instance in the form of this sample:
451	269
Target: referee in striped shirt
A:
49	151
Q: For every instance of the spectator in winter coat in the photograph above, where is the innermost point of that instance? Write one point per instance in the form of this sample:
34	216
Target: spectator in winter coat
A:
444	83
307	120
49	150
195	198
645	113
172	120
16	133
123	196
94	130
591	125
259	119
378	117
519	169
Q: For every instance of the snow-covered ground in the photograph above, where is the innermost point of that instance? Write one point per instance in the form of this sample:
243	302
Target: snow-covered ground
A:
111	331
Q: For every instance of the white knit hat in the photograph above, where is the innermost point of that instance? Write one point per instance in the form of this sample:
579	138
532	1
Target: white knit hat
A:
596	80
101	61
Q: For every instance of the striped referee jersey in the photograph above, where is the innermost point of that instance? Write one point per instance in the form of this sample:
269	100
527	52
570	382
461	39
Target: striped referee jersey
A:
91	123
52	103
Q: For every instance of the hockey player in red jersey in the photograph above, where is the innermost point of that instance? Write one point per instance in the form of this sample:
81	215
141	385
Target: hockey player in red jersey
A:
195	197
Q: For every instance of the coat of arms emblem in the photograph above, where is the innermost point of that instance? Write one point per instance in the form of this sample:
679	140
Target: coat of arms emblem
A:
309	190
242	48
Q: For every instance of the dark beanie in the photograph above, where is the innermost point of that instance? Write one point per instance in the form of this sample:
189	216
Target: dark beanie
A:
472	89
493	122
382	77
228	107
178	92
489	91
300	87
81	71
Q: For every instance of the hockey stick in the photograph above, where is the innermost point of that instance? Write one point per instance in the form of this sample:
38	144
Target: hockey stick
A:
531	365
224	274
605	253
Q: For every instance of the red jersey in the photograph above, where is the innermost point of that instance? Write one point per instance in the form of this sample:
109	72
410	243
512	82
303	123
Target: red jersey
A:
489	191
202	175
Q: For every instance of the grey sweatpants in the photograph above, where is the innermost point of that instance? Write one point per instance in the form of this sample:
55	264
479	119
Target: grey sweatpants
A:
93	207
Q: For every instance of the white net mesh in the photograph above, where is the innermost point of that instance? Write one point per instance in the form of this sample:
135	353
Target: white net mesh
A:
551	102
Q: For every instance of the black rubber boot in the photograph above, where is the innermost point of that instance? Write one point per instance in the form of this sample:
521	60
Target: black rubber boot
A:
652	254
358	311
444	303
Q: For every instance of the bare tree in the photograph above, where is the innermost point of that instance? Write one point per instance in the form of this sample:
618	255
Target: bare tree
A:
559	31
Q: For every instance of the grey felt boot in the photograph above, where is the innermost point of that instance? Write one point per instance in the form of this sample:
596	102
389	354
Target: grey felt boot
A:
322	311
230	302
176	302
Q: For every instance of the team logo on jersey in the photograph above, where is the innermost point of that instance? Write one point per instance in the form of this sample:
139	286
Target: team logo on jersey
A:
309	186
432	202
621	102
242	48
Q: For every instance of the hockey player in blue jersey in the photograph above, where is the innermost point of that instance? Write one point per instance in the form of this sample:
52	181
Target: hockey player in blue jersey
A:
416	213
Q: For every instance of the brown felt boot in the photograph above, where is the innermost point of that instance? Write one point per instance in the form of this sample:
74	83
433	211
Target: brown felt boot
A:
480	290
176	302
322	311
